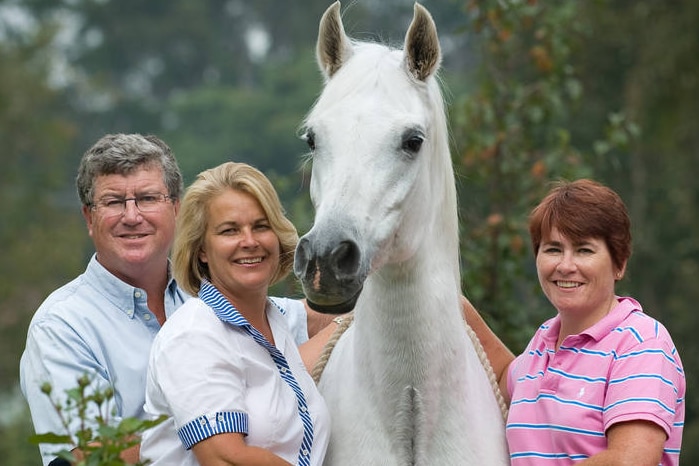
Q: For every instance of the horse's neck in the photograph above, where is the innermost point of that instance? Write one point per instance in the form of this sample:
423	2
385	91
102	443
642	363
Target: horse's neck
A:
411	299
406	333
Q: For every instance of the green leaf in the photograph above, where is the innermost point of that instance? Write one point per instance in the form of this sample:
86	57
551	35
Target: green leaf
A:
49	438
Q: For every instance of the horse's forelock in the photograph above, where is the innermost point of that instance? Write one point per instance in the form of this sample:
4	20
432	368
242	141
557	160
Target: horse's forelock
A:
360	73
375	69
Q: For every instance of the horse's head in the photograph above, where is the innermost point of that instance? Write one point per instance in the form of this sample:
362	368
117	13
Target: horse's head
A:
379	148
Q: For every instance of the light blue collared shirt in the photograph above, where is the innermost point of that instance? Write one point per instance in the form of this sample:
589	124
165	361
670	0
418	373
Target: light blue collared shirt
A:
96	325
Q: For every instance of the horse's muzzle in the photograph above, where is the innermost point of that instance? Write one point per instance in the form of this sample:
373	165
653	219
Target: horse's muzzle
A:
330	271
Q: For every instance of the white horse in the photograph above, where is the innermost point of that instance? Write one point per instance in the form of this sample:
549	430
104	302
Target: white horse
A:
404	384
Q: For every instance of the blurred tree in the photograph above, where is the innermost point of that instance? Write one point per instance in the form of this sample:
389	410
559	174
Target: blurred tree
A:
146	67
648	55
213	124
14	447
512	133
41	242
32	198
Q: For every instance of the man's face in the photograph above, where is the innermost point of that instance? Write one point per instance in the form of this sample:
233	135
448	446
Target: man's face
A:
131	242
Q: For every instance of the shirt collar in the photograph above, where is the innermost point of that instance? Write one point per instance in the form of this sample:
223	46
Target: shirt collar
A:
119	293
624	307
223	309
226	312
616	316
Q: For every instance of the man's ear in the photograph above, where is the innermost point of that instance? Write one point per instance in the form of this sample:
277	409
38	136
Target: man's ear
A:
87	215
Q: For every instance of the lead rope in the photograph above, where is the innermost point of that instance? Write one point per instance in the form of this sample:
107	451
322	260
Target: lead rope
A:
343	324
488	369
345	321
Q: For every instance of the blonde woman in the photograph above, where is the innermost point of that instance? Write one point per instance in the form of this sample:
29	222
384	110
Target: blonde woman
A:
225	368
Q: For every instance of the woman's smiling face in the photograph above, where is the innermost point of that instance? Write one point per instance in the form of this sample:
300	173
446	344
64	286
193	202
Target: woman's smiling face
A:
577	277
240	247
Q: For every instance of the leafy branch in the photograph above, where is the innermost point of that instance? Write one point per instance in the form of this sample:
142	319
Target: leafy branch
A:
97	441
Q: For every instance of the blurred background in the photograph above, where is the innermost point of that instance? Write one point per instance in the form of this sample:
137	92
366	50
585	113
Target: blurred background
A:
536	91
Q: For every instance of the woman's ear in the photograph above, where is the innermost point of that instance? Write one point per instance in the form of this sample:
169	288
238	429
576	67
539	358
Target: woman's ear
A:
620	273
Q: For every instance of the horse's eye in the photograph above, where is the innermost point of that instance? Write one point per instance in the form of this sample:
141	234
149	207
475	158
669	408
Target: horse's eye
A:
310	140
412	143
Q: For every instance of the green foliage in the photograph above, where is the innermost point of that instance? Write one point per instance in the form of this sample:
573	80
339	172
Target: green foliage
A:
514	135
34	138
257	125
512	138
14	432
100	442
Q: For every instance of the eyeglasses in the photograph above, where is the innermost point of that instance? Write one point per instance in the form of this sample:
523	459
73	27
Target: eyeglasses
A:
112	206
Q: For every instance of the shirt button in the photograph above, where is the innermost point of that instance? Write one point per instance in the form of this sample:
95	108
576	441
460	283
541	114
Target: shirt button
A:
304	452
303	409
202	422
220	417
137	294
146	316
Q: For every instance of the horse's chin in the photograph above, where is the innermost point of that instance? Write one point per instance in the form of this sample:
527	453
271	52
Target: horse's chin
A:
338	308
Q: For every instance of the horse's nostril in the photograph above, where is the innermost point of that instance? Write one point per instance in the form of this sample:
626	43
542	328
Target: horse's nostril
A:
345	259
301	258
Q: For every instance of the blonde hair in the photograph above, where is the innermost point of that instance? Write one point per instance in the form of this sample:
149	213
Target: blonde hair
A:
192	220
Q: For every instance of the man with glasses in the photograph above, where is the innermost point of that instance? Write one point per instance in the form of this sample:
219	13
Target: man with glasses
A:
103	322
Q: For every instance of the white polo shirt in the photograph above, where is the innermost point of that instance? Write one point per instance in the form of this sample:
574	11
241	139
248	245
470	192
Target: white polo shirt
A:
211	372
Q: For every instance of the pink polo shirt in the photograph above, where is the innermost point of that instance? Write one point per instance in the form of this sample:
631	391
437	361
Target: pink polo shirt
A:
625	367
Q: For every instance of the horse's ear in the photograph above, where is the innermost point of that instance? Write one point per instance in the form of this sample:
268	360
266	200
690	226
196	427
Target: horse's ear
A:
422	52
333	47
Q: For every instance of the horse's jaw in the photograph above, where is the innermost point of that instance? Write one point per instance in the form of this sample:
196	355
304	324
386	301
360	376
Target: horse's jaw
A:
342	307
